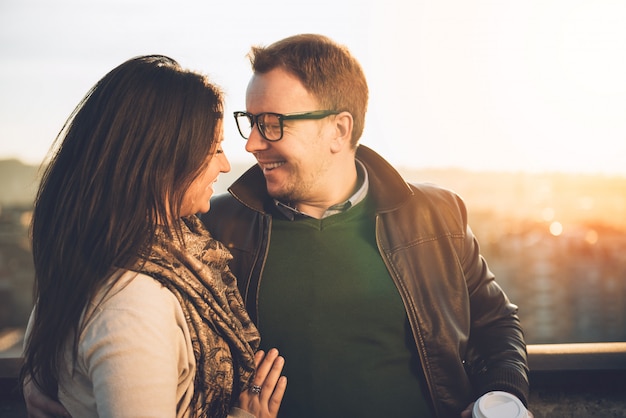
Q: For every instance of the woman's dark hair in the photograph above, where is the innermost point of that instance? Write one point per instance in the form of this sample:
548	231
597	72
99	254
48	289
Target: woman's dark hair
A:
125	158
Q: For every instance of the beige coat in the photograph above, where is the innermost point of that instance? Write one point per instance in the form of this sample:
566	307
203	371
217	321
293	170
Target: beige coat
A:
135	356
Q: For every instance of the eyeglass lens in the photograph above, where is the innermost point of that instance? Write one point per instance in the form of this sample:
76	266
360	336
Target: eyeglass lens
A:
268	123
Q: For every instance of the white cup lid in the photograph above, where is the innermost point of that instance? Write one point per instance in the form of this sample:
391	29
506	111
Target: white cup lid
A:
499	405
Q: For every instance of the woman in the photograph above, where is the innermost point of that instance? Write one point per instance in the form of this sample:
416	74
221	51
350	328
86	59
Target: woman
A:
137	312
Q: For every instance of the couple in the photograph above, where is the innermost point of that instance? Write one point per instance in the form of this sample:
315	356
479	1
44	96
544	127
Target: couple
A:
373	289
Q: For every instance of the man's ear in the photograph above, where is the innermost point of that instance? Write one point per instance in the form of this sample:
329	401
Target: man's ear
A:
343	124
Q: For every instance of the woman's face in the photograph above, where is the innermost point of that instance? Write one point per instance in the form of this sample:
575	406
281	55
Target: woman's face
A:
198	195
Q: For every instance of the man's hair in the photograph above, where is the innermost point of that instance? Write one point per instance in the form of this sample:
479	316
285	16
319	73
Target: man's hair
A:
326	69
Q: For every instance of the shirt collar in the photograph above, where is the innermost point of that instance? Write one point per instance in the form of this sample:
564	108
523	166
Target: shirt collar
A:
292	213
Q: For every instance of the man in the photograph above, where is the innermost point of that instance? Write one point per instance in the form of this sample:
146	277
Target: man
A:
373	289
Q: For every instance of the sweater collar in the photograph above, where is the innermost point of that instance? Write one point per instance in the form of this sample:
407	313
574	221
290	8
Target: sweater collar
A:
291	212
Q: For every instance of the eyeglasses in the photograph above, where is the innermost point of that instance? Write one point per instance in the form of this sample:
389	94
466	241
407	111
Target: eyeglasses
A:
271	124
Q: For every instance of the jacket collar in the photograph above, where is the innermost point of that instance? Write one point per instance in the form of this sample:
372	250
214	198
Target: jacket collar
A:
386	185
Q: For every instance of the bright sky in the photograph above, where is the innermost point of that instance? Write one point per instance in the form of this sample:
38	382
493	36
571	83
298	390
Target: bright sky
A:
482	84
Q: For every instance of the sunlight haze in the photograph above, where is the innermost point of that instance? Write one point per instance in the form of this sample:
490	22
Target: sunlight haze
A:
481	85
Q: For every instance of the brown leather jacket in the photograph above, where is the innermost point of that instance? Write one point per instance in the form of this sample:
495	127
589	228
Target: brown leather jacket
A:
466	331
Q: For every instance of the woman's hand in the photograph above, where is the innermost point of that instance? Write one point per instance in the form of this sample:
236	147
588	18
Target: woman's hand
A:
263	398
39	405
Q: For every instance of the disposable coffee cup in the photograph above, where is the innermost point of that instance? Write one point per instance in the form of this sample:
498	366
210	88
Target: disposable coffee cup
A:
499	405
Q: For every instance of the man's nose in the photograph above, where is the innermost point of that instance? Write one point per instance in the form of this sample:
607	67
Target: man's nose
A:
255	141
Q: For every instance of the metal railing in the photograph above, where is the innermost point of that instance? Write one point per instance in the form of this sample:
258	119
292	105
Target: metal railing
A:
567	380
578	380
580	356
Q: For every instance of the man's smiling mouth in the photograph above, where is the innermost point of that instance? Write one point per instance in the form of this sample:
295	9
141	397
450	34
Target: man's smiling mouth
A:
271	166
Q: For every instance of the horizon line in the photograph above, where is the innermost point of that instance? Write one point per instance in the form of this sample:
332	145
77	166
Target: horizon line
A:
402	167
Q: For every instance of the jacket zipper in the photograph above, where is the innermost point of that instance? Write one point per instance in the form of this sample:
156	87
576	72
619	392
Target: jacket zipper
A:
417	337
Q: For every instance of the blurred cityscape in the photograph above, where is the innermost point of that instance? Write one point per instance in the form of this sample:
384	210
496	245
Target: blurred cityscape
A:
556	243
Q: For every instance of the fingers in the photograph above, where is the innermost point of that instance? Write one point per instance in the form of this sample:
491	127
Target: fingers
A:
277	396
264	403
467	413
274	385
266	372
258	358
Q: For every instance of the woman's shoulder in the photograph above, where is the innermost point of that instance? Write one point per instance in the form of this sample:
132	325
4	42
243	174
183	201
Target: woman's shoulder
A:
126	284
132	333
134	305
134	293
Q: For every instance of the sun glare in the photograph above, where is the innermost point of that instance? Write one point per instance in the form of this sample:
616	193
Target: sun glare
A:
556	228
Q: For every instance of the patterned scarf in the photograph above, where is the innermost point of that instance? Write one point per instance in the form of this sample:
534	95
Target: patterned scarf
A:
223	336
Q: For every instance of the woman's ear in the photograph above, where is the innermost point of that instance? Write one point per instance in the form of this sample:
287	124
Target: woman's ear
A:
343	124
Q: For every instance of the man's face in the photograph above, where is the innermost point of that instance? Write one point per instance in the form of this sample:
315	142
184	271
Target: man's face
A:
296	167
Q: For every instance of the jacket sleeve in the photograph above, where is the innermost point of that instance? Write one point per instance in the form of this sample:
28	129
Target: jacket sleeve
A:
497	358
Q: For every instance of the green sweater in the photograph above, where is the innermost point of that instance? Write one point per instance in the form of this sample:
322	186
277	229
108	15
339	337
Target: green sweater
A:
328	304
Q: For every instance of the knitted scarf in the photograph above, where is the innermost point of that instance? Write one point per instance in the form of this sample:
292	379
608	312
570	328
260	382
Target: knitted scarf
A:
223	336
